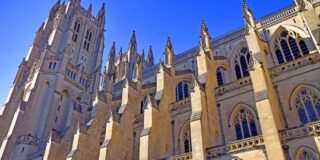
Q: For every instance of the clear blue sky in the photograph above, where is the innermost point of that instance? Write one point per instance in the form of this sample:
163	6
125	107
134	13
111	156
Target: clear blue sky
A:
153	20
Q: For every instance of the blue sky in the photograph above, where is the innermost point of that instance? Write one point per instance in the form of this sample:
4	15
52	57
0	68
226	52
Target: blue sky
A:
153	21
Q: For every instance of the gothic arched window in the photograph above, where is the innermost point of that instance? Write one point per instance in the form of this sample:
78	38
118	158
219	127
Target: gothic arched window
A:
306	156
305	153
290	46
242	63
76	30
87	39
182	90
220	76
142	104
244	123
185	138
308	106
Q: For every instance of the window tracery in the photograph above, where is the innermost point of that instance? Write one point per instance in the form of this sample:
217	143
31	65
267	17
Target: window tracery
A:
242	61
289	46
244	123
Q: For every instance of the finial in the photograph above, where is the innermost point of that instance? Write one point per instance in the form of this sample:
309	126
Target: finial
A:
133	37
142	54
247	15
244	7
203	24
168	45
120	53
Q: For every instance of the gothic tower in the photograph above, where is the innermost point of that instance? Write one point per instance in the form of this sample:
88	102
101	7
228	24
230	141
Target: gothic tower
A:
55	84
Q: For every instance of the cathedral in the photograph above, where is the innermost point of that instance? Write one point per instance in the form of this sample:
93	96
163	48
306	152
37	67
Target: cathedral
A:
251	94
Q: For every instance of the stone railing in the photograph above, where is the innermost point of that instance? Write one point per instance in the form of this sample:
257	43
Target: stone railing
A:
36	155
237	146
233	86
29	140
308	129
181	106
246	144
184	156
281	15
312	58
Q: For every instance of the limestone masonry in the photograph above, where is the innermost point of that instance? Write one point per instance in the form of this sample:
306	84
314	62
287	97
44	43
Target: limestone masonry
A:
252	94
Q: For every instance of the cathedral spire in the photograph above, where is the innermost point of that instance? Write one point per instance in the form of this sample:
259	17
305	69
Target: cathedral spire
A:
133	44
55	7
111	59
142	55
169	54
133	40
132	54
120	52
102	10
150	58
90	8
205	36
248	16
75	2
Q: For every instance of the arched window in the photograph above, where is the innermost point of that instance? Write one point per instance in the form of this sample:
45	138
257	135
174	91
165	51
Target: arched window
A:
220	76
87	39
242	61
103	135
76	30
182	90
305	153
308	106
66	109
238	72
185	138
54	65
142	104
50	65
290	46
244	123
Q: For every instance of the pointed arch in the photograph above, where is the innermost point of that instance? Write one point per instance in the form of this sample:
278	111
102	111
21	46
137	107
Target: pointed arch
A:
183	90
76	29
240	60
305	99
306	153
185	138
65	101
289	43
220	74
244	120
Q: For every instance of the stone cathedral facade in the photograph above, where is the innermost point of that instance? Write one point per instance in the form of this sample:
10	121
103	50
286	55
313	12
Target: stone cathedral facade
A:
252	94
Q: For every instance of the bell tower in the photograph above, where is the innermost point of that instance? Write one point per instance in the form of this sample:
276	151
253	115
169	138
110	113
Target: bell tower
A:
56	80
